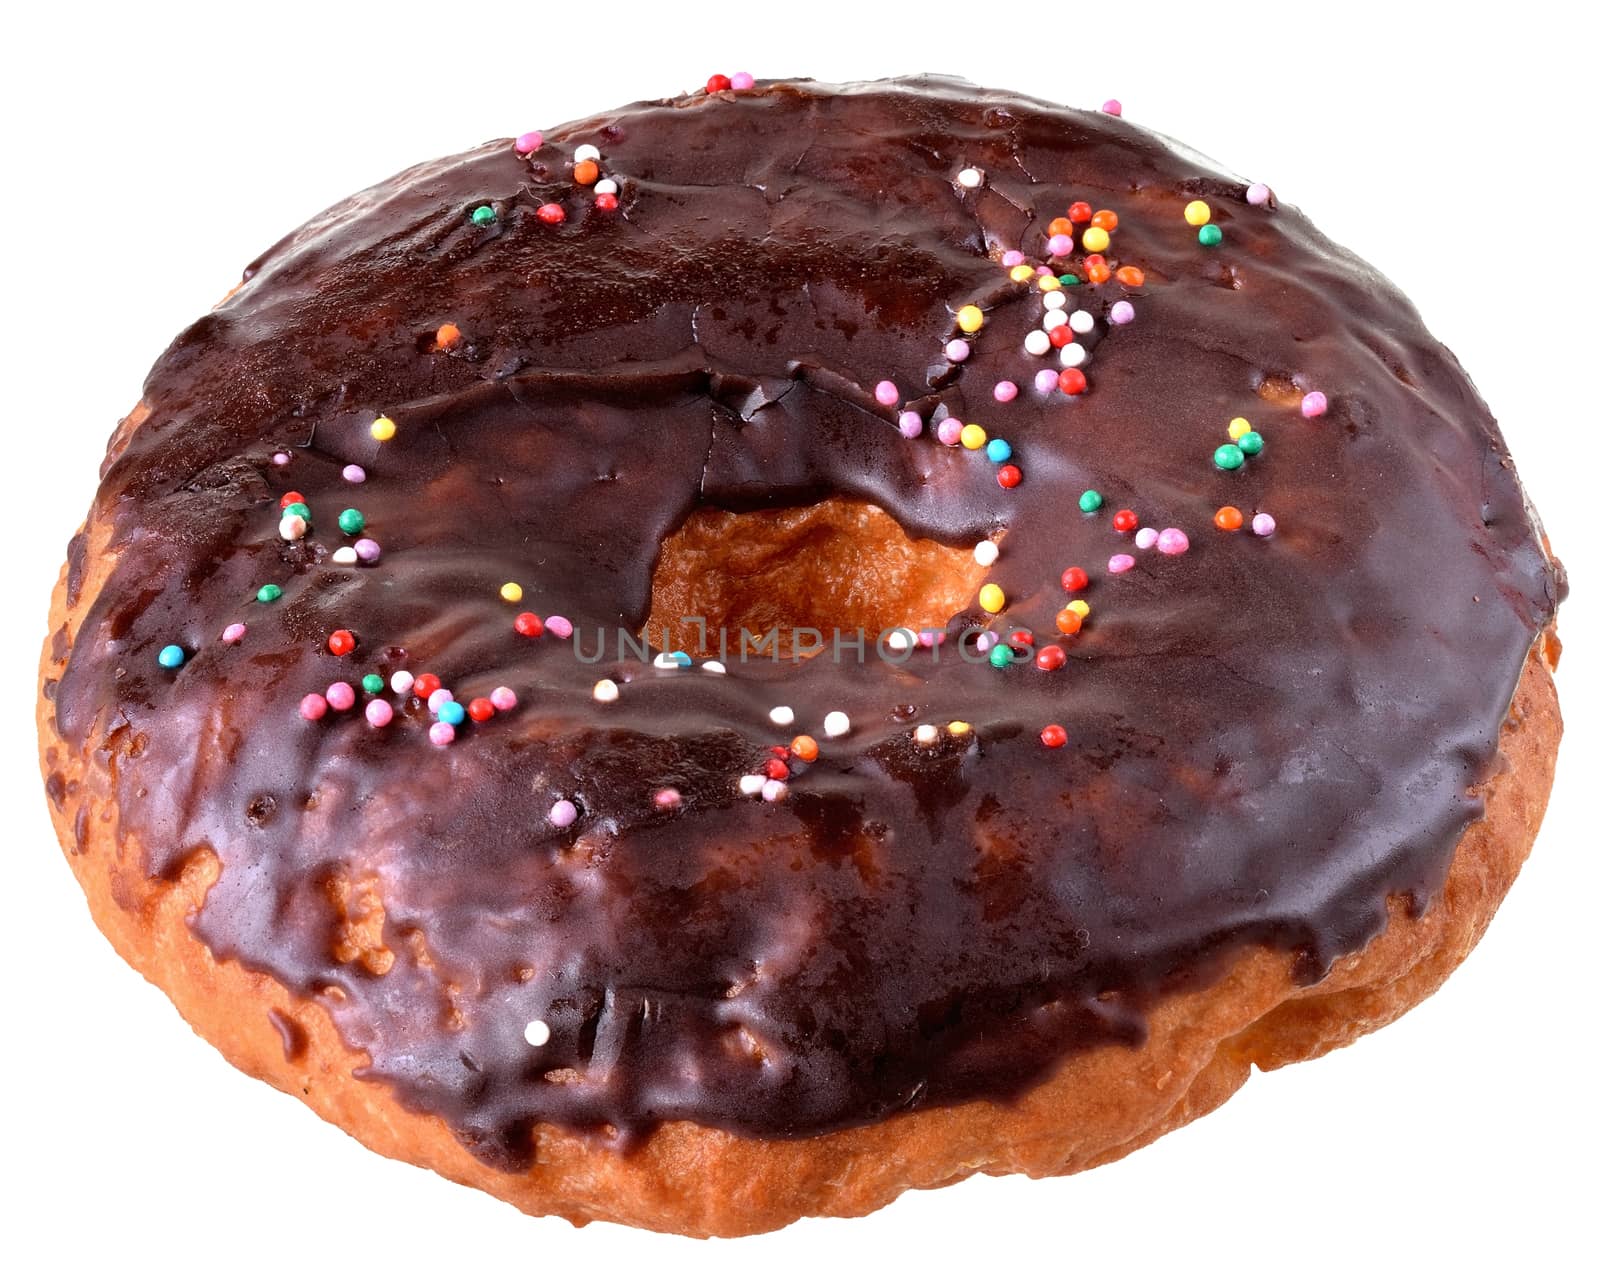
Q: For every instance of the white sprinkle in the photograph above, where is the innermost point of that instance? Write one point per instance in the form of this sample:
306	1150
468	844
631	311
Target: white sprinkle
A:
292	527
772	790
667	661
1054	319
537	1033
1145	538
606	691
1055	300
606	187
345	555
986	552
588	151
1036	343
901	639
836	724
751	784
401	682
781	716
1081	321
971	179
1073	354
714	668
927	735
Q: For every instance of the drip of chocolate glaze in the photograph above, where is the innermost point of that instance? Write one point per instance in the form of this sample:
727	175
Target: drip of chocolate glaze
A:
1270	737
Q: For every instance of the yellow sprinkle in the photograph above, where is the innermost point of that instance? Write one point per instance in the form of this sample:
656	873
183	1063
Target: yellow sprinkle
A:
990	598
959	727
1096	239
1048	282
382	429
1197	213
1079	607
969	318
973	436
1022	273
511	592
1238	427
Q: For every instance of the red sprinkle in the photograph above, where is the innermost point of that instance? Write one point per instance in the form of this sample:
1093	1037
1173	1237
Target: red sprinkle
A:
341	642
1080	211
480	709
1050	657
1061	335
528	624
1125	521
1074	579
775	769
1072	381
1020	637
1009	476
294	495
426	685
605	200
718	84
551	213
1053	735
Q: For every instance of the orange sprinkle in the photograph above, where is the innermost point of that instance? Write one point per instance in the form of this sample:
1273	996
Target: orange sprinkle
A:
1059	227
1130	276
805	747
446	337
1105	219
1229	518
1068	623
585	172
1096	268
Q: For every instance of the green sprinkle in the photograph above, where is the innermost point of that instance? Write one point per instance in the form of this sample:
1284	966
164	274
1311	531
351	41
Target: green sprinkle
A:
484	215
1089	501
298	509
372	683
1000	656
352	521
1069	279
272	591
1250	442
1210	235
1230	457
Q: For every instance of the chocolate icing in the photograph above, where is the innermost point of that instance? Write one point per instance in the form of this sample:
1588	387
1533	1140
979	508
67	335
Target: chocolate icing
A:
1269	736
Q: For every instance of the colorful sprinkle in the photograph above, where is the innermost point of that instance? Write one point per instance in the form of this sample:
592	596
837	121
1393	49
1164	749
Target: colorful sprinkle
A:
563	813
1111	107
1074	579
172	657
1314	405
402	682
1228	457
1053	736
1210	235
313	706
446	336
484	215
986	552
667	798
352	521
1120	563
379	713
886	393
503	698
480	710
1228	519
910	424
1036	343
382	429
805	746
1145	538
969	319
1096	240
973	436
991	599
341	642
1125	521
1068	622
367	551
527	143
1238	427
1008	477
233	633
269	593
1172	542
1121	312
550	214
1000	656
606	691
1258	193
957	349
971	179
528	624
340	695
1044	382
742	80
997	450
537	1032
511	592
441	734
1005	391
836	724
1250	443
949	432
1197	213
783	717
1089	501
1050	658
354	474
1073	382
1263	526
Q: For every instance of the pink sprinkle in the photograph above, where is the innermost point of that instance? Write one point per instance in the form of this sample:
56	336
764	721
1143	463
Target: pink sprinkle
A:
1145	538
438	698
950	432
280	459
1263	526
379	713
910	424
985	641
886	393
1258	193
1172	542
1120	563
355	474
341	697
1059	246
1314	405
563	813
313	706
957	350
929	639
529	142
503	699
441	734
1044	382
742	80
1121	312
1011	258
558	626
668	798
772	790
367	551
233	633
1111	107
1005	391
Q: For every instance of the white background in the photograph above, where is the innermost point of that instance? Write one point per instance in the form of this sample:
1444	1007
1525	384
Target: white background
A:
151	155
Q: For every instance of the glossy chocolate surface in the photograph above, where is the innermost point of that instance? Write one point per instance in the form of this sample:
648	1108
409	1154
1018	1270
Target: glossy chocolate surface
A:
1269	736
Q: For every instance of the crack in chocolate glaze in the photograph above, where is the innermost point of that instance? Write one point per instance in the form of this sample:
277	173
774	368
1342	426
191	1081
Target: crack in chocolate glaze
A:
1269	736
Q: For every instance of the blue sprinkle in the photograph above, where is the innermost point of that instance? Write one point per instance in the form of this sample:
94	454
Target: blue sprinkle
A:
681	658
172	657
452	712
998	450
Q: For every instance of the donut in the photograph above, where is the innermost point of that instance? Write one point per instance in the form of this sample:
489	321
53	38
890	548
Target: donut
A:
768	648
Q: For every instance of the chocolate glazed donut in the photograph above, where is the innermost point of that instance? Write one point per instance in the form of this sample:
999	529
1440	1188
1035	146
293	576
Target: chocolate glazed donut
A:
573	914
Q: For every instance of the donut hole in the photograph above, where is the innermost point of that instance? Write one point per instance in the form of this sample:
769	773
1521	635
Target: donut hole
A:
837	566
